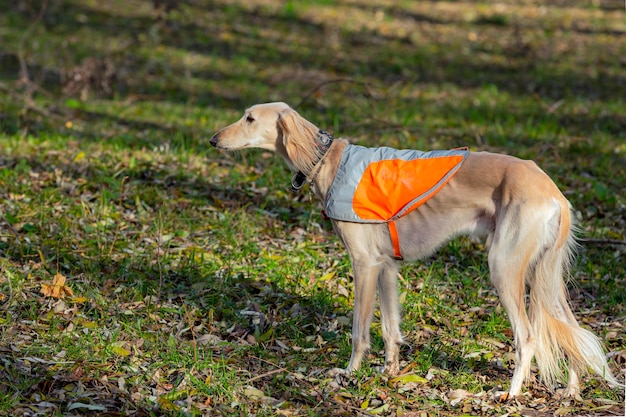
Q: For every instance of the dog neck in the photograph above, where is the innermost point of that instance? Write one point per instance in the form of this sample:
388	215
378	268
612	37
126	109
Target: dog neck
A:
323	142
328	170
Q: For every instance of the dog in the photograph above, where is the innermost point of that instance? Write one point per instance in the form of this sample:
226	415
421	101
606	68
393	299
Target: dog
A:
520	210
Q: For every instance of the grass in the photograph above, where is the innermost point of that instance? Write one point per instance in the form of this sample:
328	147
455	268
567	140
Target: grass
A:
200	284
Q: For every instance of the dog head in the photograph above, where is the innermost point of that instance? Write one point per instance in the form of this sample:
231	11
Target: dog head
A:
258	128
275	127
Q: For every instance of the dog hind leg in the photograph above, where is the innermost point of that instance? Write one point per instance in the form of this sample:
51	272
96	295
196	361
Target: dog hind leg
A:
512	298
509	258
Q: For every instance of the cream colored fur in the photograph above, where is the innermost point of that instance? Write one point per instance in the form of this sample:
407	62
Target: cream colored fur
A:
512	202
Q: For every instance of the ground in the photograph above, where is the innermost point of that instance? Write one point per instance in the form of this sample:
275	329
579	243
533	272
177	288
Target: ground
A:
144	273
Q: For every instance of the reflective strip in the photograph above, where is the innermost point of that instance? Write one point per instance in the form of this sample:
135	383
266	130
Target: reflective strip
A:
377	185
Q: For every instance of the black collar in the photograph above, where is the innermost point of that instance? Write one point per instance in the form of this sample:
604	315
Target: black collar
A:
323	142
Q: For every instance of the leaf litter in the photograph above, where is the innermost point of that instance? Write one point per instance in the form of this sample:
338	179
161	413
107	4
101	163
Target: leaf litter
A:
123	372
189	298
250	334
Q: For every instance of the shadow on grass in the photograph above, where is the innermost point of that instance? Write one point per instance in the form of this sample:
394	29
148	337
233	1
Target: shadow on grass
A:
245	57
242	63
186	303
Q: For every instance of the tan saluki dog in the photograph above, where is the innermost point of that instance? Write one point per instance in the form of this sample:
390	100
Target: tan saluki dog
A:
512	202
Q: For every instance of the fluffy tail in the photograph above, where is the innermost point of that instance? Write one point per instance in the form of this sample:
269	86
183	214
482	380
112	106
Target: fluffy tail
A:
557	333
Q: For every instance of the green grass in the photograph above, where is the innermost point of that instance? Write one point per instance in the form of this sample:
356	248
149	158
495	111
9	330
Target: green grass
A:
201	285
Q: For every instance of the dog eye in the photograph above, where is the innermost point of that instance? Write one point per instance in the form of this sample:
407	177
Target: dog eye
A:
249	119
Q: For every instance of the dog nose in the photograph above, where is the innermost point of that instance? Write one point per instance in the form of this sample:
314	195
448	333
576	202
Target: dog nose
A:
214	140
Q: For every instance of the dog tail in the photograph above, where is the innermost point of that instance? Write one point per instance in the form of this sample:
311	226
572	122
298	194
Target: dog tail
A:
557	333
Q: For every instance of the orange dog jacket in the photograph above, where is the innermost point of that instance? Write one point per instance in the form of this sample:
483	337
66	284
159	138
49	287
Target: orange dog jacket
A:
380	185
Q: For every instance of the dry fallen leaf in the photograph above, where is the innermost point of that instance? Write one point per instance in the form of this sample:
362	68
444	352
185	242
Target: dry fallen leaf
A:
57	289
119	349
458	395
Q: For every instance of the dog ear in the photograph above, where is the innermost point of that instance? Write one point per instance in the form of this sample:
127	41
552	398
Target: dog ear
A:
298	138
287	123
295	127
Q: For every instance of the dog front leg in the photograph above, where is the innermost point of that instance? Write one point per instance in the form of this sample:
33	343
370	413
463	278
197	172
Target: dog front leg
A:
365	278
390	316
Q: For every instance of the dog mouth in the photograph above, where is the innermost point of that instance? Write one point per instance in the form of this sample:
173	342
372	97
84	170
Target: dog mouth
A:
216	143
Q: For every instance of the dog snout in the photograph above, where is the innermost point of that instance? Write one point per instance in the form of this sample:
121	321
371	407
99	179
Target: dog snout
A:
214	140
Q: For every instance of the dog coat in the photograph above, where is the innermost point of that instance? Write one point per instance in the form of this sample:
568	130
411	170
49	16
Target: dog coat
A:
380	185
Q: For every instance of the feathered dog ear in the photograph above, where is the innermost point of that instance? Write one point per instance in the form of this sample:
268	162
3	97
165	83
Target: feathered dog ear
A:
290	123
298	139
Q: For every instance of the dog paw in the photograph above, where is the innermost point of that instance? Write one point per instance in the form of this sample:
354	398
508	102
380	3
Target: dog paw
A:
391	369
336	372
340	378
569	392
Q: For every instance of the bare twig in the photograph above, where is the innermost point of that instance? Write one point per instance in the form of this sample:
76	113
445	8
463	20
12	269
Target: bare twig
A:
158	253
272	372
24	76
119	202
10	296
275	371
279	369
12	229
615	242
29	103
193	332
368	93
